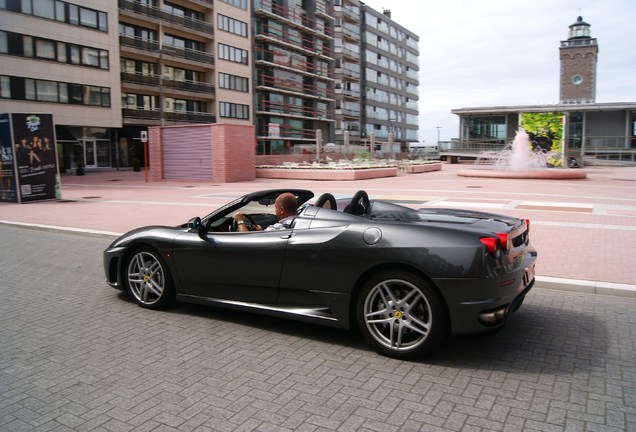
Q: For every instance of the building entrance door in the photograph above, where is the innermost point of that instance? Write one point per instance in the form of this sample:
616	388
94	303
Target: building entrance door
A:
90	153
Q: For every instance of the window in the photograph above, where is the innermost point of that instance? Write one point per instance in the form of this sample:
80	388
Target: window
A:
183	11
233	82
5	87
44	9
232	110
54	91
182	43
238	3
46	49
237	55
60	11
232	25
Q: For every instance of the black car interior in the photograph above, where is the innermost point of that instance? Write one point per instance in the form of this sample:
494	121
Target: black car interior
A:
358	206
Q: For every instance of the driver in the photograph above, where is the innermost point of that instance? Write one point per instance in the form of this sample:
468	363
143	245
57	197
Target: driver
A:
285	208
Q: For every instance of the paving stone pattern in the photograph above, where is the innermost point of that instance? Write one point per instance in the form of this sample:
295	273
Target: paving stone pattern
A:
76	355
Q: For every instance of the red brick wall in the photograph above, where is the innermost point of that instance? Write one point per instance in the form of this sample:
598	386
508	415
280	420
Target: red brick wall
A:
155	159
233	153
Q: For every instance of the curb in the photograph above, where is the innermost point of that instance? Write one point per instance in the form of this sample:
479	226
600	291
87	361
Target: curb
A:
542	282
583	286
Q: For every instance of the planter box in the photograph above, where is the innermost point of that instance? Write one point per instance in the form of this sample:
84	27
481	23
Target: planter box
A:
325	174
414	169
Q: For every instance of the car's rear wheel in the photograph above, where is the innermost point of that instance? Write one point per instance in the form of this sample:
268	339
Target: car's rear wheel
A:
148	279
400	315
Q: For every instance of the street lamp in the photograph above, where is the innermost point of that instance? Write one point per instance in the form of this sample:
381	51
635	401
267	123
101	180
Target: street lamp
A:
438	128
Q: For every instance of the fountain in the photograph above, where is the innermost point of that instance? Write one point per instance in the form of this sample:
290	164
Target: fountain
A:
519	161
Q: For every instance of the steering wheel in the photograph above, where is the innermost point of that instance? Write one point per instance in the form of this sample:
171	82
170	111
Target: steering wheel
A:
250	227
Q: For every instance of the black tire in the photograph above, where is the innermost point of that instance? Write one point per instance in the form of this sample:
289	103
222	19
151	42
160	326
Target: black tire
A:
401	315
148	280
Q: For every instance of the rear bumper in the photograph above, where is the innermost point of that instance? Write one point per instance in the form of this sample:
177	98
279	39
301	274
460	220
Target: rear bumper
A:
479	305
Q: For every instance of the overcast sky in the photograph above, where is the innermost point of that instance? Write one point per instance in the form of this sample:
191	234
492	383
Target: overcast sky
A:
505	52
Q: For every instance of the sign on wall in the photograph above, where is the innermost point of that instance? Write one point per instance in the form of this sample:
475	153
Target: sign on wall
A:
29	158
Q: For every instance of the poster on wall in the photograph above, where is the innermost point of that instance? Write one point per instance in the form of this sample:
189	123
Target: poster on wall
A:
7	174
34	175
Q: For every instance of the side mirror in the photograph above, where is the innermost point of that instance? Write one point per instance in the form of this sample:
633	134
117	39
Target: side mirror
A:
195	224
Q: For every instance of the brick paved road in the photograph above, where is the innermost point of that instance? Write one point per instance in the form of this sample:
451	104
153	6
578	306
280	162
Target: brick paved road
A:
77	355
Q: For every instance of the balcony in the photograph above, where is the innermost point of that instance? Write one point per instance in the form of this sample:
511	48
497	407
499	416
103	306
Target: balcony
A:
171	116
296	87
139	43
155	81
351	54
154	49
278	108
293	16
155	12
284	38
351	14
285	60
188	54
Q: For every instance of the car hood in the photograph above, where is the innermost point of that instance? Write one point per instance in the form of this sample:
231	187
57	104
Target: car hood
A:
162	233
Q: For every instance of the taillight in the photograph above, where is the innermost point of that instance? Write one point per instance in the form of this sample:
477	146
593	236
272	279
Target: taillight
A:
528	226
490	243
495	245
503	240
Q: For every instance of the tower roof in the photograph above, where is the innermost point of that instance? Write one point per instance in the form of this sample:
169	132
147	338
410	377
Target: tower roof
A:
580	22
580	29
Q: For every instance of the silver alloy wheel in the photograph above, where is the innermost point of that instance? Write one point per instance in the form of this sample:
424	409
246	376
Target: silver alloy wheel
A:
146	278
397	315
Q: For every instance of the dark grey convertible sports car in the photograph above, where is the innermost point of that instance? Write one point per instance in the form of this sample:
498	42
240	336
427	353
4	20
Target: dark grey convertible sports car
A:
404	277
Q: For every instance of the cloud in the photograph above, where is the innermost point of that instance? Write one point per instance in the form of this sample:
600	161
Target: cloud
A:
500	52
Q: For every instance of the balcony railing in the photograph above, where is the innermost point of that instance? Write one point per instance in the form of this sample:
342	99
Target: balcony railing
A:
293	15
350	53
154	81
190	54
137	42
350	13
155	12
287	132
292	40
284	58
153	46
294	110
154	114
294	86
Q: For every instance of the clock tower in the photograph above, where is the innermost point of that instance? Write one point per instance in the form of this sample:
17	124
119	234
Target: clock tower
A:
578	56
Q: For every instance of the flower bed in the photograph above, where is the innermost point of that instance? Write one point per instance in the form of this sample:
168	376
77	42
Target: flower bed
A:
342	170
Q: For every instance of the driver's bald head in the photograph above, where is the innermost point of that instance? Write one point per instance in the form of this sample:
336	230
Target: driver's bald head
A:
287	202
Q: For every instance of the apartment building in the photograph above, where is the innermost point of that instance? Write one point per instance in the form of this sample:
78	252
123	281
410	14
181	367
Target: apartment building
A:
348	72
182	61
61	57
294	64
389	80
108	70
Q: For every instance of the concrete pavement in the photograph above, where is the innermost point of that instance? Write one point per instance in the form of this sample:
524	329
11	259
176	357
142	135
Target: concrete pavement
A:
584	230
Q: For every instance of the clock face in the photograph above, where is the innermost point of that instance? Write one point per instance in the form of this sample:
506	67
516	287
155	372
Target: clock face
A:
577	79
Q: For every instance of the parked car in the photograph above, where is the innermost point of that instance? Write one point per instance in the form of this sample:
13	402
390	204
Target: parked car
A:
405	277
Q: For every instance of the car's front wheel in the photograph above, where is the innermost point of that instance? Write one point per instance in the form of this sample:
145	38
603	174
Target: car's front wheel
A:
148	279
400	315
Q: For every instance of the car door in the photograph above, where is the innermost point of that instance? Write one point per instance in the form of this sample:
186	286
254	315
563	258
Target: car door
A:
242	266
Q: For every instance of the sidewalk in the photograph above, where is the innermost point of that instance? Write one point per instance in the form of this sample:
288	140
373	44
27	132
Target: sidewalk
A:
584	230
